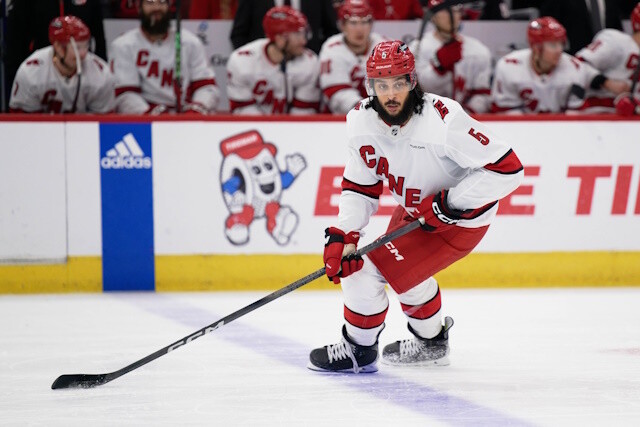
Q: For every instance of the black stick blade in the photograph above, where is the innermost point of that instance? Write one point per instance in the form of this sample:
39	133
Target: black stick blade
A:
79	381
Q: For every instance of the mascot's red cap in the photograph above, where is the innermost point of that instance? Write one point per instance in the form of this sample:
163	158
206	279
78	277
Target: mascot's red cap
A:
246	145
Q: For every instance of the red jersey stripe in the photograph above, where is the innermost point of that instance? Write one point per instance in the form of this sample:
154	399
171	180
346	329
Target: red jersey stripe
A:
508	164
374	191
197	84
233	104
304	104
331	90
123	89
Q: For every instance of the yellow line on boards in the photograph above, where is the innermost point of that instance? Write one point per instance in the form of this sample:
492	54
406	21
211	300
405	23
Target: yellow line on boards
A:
77	274
271	272
258	272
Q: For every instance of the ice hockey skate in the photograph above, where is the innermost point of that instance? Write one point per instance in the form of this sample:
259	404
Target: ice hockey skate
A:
418	351
345	356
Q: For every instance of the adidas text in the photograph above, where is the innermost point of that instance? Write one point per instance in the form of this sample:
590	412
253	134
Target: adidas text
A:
126	162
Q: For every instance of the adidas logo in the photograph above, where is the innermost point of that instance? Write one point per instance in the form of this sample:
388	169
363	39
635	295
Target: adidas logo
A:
126	154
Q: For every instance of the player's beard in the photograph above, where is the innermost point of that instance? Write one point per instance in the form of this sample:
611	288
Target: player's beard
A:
403	115
155	26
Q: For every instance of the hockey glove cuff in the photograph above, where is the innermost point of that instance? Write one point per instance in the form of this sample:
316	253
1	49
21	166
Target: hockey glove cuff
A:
438	216
336	266
626	105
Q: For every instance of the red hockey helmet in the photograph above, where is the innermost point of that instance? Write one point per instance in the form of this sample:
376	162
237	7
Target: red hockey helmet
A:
355	9
62	28
433	3
545	29
283	19
635	18
390	59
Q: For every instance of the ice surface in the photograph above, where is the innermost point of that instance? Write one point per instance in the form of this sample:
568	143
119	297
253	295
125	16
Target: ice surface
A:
545	357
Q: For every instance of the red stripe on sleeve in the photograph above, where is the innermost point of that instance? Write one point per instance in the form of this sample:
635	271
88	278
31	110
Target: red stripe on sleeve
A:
304	104
197	84
495	108
507	164
474	92
364	321
425	310
233	104
123	89
373	191
331	90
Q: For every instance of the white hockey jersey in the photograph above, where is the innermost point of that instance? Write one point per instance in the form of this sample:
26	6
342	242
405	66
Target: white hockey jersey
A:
342	73
517	88
39	87
469	83
144	72
443	148
255	85
615	54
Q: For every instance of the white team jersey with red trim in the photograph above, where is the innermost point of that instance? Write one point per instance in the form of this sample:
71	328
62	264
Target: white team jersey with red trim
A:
342	73
517	88
144	72
39	87
256	85
615	54
443	148
469	83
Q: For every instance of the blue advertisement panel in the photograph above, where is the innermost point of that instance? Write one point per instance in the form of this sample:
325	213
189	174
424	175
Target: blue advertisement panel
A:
127	207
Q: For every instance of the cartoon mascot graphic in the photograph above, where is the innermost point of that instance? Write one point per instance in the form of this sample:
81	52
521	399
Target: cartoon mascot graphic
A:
252	184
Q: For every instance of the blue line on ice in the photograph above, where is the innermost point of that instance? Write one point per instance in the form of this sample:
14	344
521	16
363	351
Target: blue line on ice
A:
414	396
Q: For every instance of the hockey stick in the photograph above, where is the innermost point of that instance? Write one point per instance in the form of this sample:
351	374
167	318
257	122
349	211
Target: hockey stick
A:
177	82
93	380
635	77
283	68
78	72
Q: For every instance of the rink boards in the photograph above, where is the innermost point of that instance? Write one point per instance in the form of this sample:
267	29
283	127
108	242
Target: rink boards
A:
124	204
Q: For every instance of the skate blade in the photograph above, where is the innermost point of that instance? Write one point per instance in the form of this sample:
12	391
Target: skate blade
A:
369	369
443	361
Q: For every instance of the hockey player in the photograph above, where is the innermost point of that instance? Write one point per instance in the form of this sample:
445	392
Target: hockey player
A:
440	164
544	79
616	55
343	57
50	81
143	61
452	65
257	72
